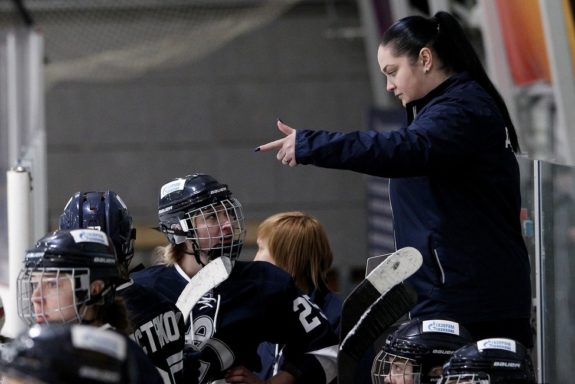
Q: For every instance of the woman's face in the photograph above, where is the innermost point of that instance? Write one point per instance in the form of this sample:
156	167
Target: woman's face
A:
405	79
263	253
215	226
53	297
400	372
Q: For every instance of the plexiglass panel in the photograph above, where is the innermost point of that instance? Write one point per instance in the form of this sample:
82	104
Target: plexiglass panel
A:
557	198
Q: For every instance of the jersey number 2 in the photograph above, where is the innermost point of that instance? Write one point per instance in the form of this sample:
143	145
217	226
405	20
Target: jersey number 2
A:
304	308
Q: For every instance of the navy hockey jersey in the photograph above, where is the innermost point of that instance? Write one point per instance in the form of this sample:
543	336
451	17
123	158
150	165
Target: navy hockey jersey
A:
169	281
140	368
258	302
158	328
270	354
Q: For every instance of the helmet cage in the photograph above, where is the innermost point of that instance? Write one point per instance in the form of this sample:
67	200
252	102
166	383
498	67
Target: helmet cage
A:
388	365
216	228
466	378
38	286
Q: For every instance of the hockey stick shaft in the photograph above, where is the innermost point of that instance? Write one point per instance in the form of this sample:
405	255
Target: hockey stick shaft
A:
376	320
207	278
379	317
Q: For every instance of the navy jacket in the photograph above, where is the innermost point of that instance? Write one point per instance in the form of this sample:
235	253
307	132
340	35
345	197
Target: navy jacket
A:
455	196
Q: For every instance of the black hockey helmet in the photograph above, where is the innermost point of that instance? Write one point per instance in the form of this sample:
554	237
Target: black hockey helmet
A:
423	344
106	212
82	256
490	361
186	200
67	354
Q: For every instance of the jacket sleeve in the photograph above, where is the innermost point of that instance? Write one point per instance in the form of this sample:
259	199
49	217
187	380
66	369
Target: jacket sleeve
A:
445	136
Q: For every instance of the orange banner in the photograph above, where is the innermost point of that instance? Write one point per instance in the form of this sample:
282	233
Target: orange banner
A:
524	40
569	13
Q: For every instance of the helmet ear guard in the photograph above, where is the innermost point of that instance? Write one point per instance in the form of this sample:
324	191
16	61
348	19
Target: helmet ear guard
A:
174	234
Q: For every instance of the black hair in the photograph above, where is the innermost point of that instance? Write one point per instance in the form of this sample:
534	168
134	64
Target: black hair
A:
443	34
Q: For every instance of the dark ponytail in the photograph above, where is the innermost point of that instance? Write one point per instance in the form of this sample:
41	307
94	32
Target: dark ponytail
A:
444	35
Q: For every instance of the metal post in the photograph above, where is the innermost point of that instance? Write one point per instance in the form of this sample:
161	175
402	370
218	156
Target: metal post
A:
539	273
19	231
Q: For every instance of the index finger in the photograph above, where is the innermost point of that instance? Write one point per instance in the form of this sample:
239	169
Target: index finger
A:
277	144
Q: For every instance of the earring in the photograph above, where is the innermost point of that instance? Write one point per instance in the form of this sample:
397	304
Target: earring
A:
426	70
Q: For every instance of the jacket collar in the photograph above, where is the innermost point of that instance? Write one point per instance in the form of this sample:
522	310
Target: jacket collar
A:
415	106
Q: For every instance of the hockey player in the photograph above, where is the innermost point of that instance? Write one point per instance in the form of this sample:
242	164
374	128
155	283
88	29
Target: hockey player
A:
490	361
257	302
416	351
71	354
157	324
297	243
70	277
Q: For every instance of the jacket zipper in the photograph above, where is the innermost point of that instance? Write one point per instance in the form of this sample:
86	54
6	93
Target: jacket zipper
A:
440	266
391	209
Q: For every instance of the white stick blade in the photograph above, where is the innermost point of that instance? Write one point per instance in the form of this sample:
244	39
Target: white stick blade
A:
395	268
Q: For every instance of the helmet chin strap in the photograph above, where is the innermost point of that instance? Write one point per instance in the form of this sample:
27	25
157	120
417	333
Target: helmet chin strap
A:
212	253
196	254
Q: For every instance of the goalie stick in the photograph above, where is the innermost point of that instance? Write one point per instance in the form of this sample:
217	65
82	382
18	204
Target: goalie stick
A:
397	267
378	318
207	278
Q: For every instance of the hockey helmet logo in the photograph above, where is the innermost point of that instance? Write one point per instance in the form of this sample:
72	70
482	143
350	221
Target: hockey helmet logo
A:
89	235
497	343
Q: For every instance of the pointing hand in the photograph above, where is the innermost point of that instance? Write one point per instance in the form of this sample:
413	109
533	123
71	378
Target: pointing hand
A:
285	145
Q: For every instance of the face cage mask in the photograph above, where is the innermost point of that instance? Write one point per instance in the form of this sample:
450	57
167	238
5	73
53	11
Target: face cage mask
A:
216	229
472	378
43	294
390	368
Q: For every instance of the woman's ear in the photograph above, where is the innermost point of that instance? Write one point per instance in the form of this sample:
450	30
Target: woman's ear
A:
426	59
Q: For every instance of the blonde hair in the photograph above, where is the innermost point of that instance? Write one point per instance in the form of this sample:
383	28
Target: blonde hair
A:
299	245
169	254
